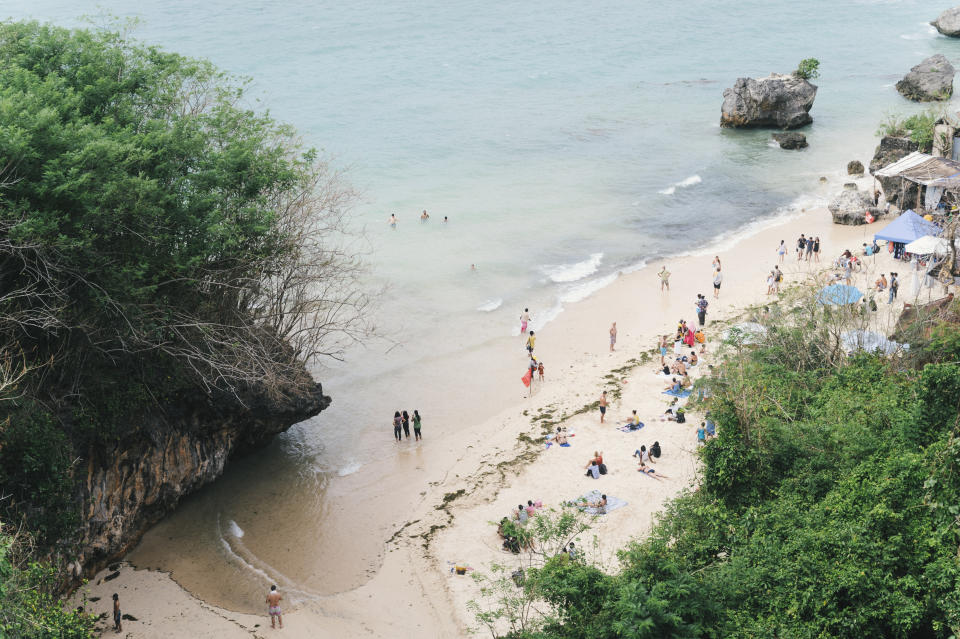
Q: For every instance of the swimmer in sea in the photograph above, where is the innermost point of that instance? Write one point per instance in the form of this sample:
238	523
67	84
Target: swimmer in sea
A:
424	216
392	221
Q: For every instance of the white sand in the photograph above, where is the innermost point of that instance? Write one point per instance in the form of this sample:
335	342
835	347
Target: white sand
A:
413	593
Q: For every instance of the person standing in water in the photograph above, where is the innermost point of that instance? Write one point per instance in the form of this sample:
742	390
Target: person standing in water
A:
664	276
603	405
397	425
424	216
613	336
406	424
416	425
117	617
524	320
273	607
393	221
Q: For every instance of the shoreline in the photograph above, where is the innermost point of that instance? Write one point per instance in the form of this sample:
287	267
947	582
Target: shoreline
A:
578	369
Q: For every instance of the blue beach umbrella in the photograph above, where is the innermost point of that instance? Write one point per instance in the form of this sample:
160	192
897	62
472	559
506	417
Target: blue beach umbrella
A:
839	294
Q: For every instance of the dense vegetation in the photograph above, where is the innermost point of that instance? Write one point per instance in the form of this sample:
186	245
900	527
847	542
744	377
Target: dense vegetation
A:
918	127
828	507
160	241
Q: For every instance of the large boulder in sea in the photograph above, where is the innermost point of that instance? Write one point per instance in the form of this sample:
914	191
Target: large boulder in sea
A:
890	150
929	81
851	206
855	167
791	140
948	23
781	101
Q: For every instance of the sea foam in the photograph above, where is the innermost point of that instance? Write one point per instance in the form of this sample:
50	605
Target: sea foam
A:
690	181
573	272
490	305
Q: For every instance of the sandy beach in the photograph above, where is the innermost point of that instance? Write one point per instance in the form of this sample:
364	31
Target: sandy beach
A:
486	468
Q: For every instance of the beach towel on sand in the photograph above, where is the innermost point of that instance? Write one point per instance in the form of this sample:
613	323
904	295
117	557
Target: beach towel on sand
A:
628	429
682	394
594	496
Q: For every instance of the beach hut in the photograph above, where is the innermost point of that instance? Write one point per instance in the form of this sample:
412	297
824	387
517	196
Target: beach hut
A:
932	175
905	229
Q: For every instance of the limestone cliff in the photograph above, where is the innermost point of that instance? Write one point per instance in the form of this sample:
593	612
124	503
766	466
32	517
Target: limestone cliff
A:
169	454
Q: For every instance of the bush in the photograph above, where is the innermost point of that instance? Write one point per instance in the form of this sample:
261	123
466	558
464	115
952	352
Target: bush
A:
918	127
808	69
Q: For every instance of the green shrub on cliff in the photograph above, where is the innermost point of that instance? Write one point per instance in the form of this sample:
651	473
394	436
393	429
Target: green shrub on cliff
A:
29	609
808	69
918	127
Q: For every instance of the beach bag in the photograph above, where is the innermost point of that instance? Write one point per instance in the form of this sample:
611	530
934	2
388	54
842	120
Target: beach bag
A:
603	469
681	416
779	277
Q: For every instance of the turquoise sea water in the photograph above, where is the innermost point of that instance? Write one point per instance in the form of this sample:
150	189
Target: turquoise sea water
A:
564	140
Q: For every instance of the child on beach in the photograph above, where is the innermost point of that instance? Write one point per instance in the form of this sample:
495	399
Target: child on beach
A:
540	370
531	341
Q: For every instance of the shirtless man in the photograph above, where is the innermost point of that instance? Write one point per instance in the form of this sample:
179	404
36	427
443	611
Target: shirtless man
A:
664	275
613	336
603	405
424	216
524	320
392	221
273	601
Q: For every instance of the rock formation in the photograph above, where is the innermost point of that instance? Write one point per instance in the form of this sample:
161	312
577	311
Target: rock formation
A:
781	101
167	456
791	140
855	167
851	205
948	23
890	150
929	81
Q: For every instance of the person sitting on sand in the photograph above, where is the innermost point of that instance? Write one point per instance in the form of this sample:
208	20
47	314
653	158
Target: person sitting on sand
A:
881	283
685	381
633	423
673	386
596	459
693	358
593	470
533	506
643	454
501	526
560	437
600	505
678	368
655	451
521	515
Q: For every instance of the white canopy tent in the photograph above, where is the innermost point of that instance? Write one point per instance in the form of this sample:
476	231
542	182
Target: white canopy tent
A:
928	245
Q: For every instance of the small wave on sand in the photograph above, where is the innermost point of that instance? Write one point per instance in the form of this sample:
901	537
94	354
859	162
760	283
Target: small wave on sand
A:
490	305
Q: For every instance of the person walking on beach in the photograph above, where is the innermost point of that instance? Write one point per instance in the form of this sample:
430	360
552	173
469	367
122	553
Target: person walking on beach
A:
664	276
393	221
406	424
702	304
770	283
801	245
717	281
816	249
782	250
524	320
117	617
540	369
603	405
716	262
397	425
613	336
663	350
416	425
531	341
894	286
777	278
273	607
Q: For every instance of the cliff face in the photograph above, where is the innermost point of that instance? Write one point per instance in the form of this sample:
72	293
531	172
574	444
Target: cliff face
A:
168	455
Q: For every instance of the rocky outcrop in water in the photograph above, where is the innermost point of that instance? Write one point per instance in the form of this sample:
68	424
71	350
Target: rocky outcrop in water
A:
851	206
781	101
791	140
170	454
855	167
948	23
929	81
890	150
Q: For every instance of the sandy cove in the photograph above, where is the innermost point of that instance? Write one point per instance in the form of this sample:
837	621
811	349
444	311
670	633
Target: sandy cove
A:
492	467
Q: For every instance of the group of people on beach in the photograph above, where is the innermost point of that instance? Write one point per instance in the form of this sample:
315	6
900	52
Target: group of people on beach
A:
401	425
807	248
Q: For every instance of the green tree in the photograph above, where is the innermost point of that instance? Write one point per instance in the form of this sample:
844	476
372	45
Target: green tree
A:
808	69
